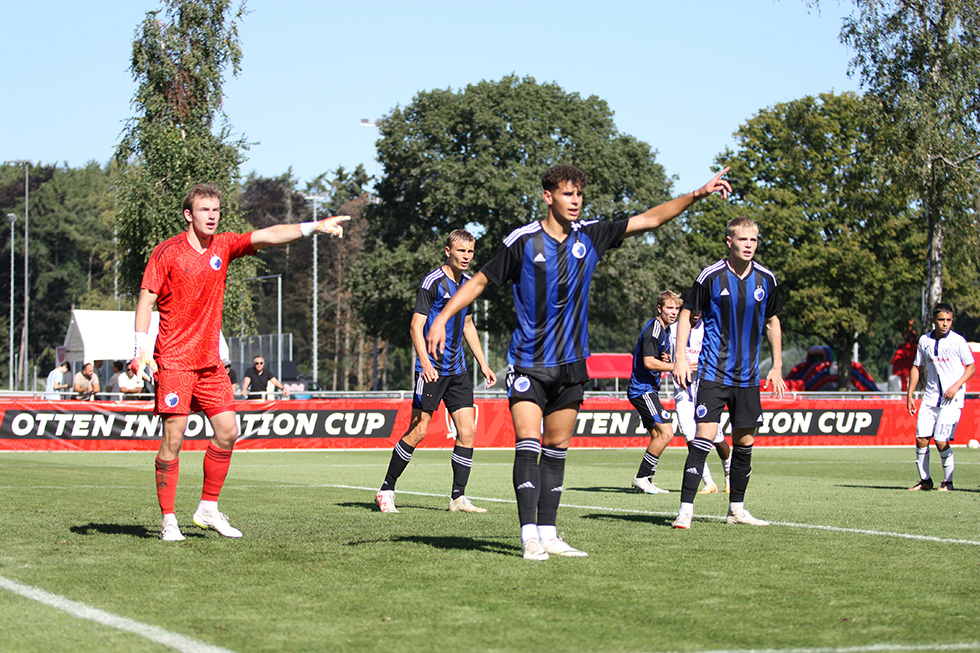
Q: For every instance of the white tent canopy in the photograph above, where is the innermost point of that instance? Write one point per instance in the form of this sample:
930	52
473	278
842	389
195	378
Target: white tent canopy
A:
108	335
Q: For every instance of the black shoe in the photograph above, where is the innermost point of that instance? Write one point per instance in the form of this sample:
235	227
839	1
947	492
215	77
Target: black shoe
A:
925	484
946	486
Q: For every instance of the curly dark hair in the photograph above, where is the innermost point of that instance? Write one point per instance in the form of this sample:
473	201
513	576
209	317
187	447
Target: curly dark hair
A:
556	176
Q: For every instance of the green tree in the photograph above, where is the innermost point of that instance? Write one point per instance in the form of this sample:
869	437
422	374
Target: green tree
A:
837	232
473	158
920	60
180	135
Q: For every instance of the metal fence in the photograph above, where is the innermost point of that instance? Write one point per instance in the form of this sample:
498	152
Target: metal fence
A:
242	350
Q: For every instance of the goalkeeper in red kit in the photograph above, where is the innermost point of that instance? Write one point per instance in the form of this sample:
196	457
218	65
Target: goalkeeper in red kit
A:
185	279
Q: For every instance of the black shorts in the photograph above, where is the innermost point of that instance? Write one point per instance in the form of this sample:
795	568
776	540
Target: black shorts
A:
651	411
744	404
456	390
551	388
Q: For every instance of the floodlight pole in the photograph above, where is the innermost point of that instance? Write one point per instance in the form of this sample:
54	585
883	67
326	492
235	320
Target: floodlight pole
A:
13	219
27	294
316	342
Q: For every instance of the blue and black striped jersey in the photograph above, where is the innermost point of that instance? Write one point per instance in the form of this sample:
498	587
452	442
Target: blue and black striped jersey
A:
434	292
734	312
551	288
654	341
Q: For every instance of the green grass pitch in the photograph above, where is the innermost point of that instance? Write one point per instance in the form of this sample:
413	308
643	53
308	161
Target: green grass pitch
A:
852	560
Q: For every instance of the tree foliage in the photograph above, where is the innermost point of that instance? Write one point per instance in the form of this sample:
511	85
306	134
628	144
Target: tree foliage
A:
474	158
920	61
838	233
180	135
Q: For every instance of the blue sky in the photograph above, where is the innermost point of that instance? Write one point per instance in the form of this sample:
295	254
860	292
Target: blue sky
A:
681	76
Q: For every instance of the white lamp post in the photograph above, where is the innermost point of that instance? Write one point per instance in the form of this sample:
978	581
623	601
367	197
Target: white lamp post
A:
13	219
316	199
27	294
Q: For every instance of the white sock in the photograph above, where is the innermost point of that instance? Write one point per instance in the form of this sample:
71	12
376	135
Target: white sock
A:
207	506
948	464
686	509
736	506
529	532
727	462
706	475
547	533
170	518
922	461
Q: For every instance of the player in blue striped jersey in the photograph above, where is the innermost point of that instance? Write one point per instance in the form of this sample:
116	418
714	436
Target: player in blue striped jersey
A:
651	357
551	264
442	377
739	302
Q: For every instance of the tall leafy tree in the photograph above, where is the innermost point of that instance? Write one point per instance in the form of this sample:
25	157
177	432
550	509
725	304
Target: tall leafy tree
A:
839	234
920	60
473	158
180	135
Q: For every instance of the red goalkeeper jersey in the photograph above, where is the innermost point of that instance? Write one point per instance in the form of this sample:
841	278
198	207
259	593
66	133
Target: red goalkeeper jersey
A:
190	290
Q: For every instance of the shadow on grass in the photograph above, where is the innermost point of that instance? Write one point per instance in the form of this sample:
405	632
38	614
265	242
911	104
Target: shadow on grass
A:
656	520
131	530
899	487
373	507
608	490
448	543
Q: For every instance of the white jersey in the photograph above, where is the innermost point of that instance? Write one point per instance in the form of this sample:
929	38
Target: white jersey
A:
945	360
692	351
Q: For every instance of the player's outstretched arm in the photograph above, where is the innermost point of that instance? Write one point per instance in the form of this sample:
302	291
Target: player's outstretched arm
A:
472	338
282	234
658	215
436	340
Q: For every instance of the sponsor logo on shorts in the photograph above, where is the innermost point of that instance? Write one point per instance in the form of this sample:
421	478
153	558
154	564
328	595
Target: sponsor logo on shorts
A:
215	262
171	400
760	294
522	384
578	250
701	410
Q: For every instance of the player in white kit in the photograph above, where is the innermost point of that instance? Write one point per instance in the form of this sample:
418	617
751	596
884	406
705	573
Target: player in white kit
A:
685	400
944	357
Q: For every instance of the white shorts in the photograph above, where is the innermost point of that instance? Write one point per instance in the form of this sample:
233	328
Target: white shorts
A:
937	422
684	403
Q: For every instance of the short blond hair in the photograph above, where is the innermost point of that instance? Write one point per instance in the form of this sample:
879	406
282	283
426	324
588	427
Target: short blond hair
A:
741	224
669	296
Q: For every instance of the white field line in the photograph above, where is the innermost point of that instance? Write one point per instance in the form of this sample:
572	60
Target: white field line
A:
83	611
818	527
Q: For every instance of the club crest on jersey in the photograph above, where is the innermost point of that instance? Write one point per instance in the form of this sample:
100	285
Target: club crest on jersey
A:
578	250
702	410
760	293
215	262
171	400
522	384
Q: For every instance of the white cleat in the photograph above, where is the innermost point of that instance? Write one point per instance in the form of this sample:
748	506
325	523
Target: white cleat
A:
646	486
559	547
462	504
534	551
216	521
683	520
170	531
743	517
386	500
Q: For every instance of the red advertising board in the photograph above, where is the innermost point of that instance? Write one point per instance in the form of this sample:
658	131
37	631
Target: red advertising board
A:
379	423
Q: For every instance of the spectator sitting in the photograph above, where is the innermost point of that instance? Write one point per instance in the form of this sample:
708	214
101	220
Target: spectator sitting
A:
86	383
130	384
